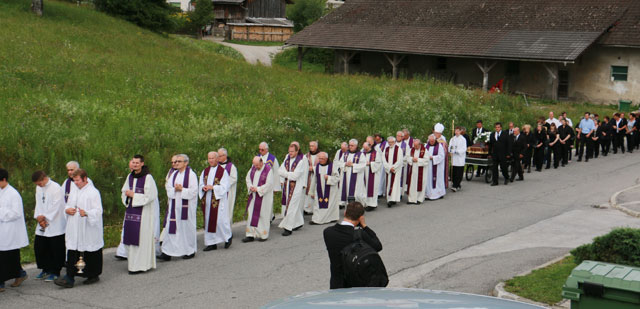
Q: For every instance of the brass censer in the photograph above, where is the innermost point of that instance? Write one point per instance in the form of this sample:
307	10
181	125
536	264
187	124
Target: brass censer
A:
80	265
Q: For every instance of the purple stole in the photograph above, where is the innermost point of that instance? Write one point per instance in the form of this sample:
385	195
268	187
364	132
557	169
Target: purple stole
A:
213	213
420	170
310	173
352	180
434	169
291	185
255	215
67	189
133	215
323	199
185	203
271	159
395	159
372	181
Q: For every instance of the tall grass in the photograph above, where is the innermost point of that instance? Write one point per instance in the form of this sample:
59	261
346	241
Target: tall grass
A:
78	85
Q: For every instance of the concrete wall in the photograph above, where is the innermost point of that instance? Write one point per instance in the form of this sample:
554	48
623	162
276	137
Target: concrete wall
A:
589	78
185	5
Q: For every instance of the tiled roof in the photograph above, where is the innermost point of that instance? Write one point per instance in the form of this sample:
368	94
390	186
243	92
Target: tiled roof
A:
627	31
542	30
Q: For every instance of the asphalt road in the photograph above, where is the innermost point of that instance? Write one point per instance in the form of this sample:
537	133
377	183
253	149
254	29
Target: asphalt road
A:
468	241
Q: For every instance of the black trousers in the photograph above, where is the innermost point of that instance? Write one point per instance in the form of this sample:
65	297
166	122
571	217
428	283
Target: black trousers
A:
538	157
92	259
10	267
516	168
528	154
631	142
588	142
618	142
503	166
456	178
555	149
50	253
605	145
564	152
596	149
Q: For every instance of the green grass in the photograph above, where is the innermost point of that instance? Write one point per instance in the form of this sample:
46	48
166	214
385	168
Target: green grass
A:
76	84
255	43
289	59
543	285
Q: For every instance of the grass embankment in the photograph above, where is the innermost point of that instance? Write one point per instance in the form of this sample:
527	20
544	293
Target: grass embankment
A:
543	285
79	85
254	43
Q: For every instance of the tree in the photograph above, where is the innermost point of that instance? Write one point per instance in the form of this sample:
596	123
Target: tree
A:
37	6
305	12
151	14
201	16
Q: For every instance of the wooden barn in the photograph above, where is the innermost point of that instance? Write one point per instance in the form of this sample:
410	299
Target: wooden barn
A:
252	20
584	50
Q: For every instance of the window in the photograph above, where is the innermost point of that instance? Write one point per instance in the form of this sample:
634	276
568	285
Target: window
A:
441	63
619	73
356	59
513	68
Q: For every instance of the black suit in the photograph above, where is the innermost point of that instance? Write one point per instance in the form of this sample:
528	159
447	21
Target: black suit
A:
474	134
519	146
618	137
336	238
500	149
565	148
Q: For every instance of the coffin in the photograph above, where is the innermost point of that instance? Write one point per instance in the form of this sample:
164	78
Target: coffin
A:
478	150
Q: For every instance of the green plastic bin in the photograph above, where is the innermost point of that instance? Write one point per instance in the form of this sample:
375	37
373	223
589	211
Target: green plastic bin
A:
598	285
624	105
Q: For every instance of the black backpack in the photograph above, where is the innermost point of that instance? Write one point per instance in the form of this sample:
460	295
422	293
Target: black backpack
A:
362	266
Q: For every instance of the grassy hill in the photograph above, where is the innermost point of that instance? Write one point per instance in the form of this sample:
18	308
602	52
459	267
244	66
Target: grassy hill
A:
76	84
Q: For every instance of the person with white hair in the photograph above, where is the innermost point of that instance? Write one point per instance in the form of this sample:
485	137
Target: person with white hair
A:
436	181
327	177
179	236
379	146
401	141
232	171
259	182
312	158
339	160
392	159
352	172
271	160
367	190
293	171
416	159
68	186
213	191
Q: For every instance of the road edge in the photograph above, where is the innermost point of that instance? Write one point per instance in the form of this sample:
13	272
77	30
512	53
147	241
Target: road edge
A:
613	201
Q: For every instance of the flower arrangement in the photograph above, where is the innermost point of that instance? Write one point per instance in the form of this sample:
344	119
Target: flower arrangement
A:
482	137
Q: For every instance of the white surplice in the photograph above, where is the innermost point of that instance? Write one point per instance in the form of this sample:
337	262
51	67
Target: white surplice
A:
393	188
233	185
50	204
405	146
223	224
292	211
439	161
266	192
143	256
85	234
458	150
382	175
12	225
184	241
275	166
357	168
370	172
331	213
311	182
416	193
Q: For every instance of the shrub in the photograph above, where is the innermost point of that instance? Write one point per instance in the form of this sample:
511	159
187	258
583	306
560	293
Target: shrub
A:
319	57
305	12
620	246
150	14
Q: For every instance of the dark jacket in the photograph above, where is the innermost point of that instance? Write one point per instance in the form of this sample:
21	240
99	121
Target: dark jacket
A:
501	148
336	238
518	146
474	134
565	131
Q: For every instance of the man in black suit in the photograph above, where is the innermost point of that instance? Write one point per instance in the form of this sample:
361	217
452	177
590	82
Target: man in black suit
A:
619	125
339	236
519	146
566	133
477	131
500	152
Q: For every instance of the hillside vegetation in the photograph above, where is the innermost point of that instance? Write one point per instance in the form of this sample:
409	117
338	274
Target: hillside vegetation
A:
76	84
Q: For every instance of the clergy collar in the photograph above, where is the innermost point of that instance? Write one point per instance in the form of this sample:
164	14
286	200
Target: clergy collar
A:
313	153
353	151
325	163
143	172
224	163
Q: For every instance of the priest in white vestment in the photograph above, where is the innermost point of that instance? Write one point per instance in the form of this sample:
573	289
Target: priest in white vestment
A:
139	196
417	163
259	182
352	172
13	231
367	190
271	160
49	242
179	236
84	233
436	187
326	194
379	146
312	158
232	170
213	189
402	143
293	171
339	160
392	161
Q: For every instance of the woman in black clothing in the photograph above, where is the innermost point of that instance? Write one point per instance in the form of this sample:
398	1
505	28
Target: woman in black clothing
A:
540	136
529	139
554	147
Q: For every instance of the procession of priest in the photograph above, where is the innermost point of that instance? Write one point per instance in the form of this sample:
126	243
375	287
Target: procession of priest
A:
69	233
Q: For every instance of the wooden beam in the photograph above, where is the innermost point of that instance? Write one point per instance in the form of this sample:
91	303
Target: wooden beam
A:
485	68
300	55
395	61
552	69
346	57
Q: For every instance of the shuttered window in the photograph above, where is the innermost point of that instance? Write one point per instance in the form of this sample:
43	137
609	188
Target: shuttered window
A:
619	73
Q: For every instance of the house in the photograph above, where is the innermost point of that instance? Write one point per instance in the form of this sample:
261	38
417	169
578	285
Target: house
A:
184	5
252	20
559	49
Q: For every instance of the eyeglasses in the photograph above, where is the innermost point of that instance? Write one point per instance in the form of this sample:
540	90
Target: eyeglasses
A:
174	162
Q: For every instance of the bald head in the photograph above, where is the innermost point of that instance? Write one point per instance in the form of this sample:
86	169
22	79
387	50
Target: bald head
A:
257	163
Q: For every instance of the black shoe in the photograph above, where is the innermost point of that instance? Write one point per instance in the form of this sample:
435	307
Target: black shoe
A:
494	184
297	228
512	178
342	206
579	159
538	170
391	204
529	169
209	248
262	240
228	243
248	239
64	282
586	160
273	217
121	258
313	223
91	280
506	181
520	179
369	208
308	213
286	232
164	257
130	273
188	257
548	167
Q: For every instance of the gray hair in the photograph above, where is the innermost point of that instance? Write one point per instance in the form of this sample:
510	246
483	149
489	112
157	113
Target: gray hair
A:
417	139
223	151
323	154
314	142
264	144
400	132
74	163
184	157
353	140
391	139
